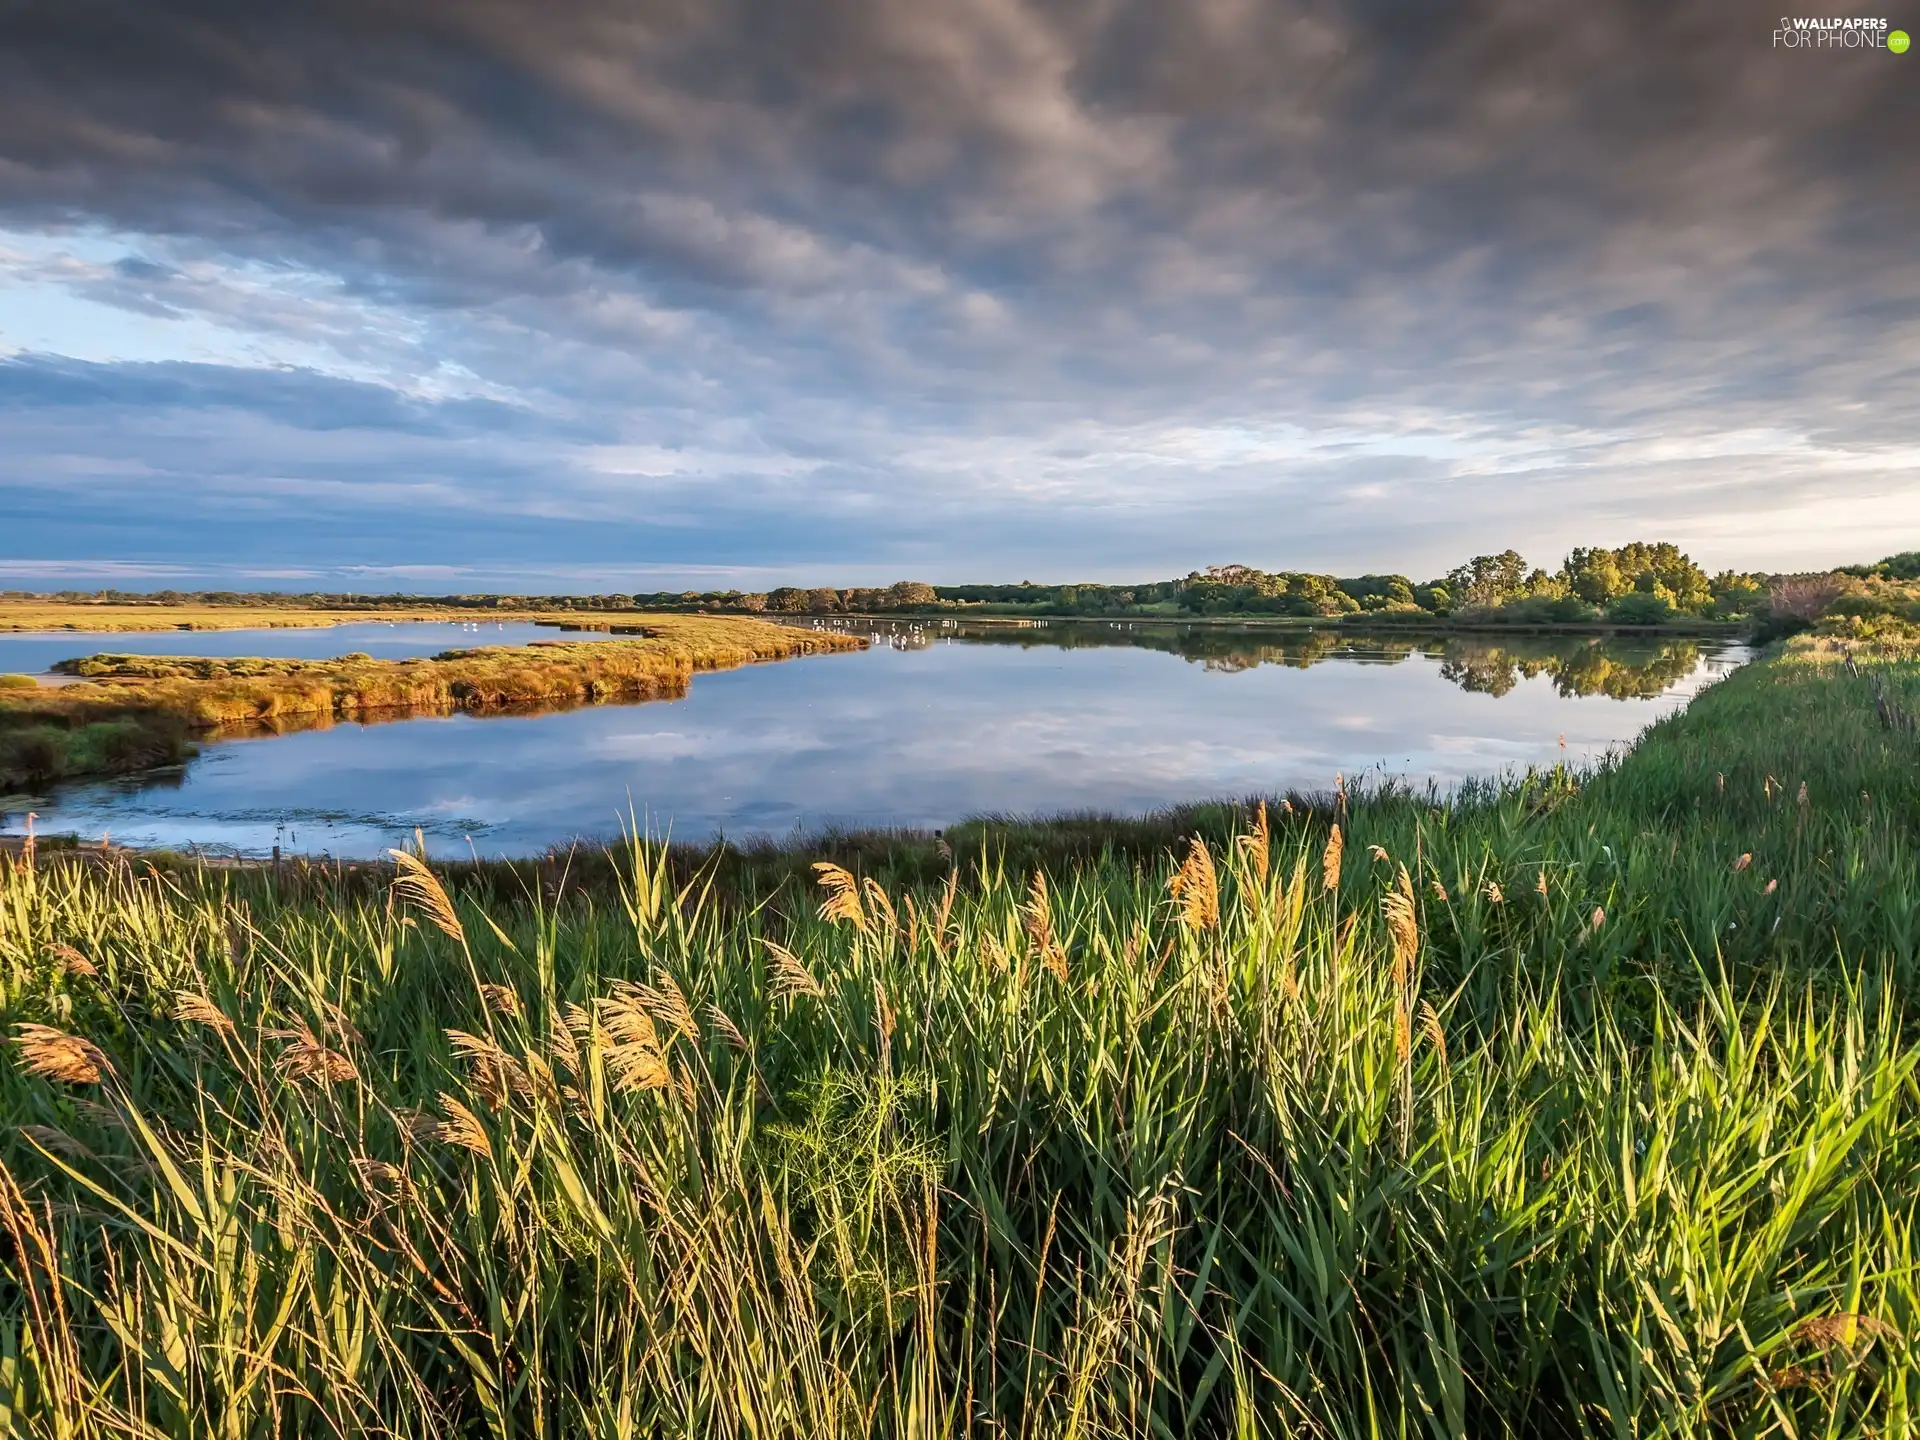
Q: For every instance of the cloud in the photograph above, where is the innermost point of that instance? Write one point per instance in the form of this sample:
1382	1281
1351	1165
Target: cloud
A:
979	287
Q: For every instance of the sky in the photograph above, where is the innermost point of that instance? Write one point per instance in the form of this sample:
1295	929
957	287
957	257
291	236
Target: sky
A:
639	294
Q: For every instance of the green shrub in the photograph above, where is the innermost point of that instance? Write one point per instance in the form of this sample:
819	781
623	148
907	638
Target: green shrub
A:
18	682
32	755
1640	607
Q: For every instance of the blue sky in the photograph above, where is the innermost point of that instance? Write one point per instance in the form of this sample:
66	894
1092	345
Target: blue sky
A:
436	295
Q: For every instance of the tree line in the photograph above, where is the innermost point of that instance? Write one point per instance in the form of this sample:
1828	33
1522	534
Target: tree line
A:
1643	583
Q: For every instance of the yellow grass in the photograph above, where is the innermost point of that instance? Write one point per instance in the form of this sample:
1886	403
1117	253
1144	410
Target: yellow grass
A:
19	615
209	692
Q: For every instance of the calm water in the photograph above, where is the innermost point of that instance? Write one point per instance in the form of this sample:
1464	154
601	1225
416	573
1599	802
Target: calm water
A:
35	652
924	729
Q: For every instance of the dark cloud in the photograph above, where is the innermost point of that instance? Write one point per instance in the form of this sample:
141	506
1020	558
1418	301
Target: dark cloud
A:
982	281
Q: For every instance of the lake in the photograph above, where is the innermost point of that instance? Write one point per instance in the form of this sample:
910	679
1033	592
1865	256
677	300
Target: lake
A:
931	725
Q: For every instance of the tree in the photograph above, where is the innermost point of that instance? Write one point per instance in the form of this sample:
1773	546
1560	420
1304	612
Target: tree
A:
1379	592
1487	580
1243	577
1803	597
1601	576
906	594
1594	575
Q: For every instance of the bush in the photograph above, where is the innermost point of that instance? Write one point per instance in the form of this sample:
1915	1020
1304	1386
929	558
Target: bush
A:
1779	627
33	755
1569	609
18	682
1640	608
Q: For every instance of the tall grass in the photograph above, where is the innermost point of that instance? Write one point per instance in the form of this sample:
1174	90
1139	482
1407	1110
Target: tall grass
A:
1585	1106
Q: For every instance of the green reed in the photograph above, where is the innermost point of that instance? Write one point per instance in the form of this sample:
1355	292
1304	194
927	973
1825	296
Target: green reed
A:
1550	1115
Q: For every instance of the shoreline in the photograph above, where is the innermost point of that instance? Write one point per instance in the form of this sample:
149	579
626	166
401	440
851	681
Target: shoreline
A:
1730	630
18	618
82	618
1056	836
136	713
1765	686
292	716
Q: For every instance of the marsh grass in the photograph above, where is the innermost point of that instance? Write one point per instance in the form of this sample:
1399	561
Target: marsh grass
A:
44	614
138	711
1174	1142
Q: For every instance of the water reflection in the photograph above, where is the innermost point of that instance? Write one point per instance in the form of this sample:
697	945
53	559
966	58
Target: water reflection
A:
930	725
1624	668
38	651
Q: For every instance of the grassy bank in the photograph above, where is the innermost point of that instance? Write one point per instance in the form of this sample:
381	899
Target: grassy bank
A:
33	615
138	711
44	615
1584	1107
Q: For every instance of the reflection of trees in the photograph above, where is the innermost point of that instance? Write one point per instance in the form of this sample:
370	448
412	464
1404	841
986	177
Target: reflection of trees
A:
1217	647
1622	670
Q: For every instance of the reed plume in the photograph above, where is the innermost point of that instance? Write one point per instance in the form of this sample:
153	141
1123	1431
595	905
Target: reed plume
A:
843	896
633	1044
1196	888
1436	1035
197	1008
56	1055
493	1072
1038	915
461	1127
1256	844
561	1042
501	999
308	1058
947	894
724	1027
880	906
664	1001
1330	860
418	887
1403	925
1844	1329
72	961
994	953
790	978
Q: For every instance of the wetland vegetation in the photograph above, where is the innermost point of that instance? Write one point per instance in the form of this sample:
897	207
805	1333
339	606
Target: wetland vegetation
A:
133	712
1577	1102
1582	1105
